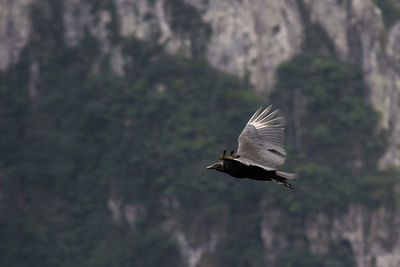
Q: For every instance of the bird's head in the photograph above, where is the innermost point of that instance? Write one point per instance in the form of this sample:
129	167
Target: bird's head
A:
219	166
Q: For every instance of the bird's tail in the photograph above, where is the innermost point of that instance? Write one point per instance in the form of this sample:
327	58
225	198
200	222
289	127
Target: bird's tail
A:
282	177
290	176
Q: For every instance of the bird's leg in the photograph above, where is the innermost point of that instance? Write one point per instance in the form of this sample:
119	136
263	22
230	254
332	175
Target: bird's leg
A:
230	154
283	182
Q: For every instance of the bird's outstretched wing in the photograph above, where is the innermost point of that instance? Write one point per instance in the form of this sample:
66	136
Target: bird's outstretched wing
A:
261	142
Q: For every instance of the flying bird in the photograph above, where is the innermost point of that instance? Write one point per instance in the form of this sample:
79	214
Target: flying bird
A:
260	151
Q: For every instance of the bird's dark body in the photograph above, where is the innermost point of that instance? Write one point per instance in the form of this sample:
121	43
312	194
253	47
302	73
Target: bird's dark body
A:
239	170
260	151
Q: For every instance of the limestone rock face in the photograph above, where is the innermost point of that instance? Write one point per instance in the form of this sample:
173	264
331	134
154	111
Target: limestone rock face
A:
370	235
78	17
15	29
144	19
389	103
194	245
251	38
359	36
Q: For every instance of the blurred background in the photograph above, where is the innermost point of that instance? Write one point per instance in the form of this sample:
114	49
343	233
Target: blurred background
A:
110	110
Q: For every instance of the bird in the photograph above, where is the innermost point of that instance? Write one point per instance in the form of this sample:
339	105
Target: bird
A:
260	150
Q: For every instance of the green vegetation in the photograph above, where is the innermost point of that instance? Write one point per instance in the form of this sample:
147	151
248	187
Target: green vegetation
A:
142	137
333	132
340	255
244	248
186	22
390	11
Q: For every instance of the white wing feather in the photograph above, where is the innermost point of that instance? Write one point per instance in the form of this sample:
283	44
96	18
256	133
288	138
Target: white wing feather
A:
261	142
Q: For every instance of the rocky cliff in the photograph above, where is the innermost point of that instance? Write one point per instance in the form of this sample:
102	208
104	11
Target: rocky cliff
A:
372	236
250	39
246	38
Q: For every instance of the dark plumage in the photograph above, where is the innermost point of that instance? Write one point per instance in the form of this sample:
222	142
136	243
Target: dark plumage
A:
260	151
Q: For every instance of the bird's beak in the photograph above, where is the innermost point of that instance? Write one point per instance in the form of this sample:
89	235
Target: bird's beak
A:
212	166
